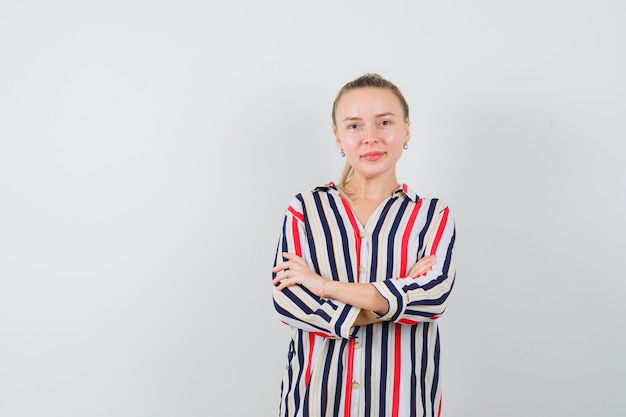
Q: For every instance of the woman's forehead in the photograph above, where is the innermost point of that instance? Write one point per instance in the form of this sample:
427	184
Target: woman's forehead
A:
368	101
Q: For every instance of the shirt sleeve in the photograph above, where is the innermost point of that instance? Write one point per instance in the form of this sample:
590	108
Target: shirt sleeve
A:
298	307
412	300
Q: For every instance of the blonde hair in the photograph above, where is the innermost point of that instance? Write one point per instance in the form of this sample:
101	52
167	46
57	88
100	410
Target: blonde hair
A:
369	80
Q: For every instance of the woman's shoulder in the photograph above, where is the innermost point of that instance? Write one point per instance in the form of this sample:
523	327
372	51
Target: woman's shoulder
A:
434	203
320	189
301	198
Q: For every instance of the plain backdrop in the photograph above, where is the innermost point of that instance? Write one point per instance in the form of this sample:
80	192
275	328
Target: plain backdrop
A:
148	150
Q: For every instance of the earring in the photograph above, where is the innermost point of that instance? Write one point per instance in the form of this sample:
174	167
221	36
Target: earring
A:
342	153
405	146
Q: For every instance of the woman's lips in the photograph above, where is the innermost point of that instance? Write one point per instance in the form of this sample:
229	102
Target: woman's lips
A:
372	156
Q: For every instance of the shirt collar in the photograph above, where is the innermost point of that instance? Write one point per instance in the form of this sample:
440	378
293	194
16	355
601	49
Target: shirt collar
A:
406	190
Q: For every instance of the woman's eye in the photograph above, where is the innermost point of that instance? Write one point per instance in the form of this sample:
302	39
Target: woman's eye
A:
385	123
353	126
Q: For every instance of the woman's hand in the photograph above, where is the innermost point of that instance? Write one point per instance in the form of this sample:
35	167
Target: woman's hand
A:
296	271
422	266
366	317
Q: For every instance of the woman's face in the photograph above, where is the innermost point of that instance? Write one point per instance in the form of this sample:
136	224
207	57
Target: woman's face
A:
371	130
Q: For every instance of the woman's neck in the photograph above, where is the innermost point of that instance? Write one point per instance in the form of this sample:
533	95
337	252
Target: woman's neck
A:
371	189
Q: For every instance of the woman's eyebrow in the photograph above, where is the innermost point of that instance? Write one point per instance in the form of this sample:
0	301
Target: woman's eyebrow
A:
351	118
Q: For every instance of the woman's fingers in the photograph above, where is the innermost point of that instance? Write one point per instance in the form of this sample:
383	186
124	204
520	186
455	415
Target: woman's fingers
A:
285	279
294	258
281	267
287	266
422	266
284	283
287	271
295	271
293	262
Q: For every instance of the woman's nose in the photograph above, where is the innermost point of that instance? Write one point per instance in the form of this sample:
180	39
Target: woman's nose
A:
370	135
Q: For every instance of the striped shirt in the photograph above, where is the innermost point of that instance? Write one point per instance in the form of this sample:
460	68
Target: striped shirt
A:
387	369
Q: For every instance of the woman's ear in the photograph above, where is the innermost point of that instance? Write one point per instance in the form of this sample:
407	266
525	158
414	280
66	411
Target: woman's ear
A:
407	134
337	139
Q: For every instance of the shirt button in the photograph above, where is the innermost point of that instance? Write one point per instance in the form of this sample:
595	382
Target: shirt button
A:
362	235
361	270
355	385
357	345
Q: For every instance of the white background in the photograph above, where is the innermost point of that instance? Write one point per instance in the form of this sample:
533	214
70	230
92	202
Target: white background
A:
149	148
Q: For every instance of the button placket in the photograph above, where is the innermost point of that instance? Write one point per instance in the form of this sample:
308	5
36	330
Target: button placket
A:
363	256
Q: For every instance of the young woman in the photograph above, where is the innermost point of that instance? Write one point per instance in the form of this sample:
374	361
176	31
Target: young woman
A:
363	270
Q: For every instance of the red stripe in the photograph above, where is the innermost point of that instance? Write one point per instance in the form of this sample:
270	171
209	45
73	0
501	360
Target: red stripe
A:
357	234
349	376
442	226
320	334
407	321
296	213
307	375
405	239
395	405
440	402
351	217
296	237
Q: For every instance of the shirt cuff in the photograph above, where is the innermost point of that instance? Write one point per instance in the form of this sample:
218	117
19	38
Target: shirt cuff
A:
343	322
396	299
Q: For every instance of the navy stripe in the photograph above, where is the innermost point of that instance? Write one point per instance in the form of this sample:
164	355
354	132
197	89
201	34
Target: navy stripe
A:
284	244
376	236
342	318
398	296
433	390
286	313
424	364
429	302
446	263
384	358
325	376
415	315
299	379
303	306
393	234
289	371
310	241
414	389
339	383
429	218
366	345
328	237
414	285
345	241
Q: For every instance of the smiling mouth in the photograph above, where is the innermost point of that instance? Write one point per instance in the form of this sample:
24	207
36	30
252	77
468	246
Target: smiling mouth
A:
372	156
